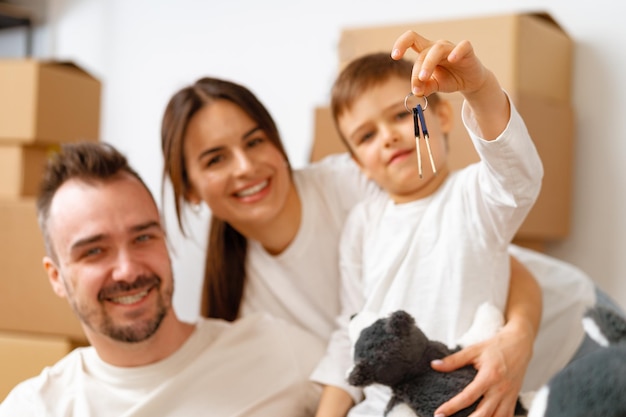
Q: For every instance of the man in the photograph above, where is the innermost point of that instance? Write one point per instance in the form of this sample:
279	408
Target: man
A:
107	255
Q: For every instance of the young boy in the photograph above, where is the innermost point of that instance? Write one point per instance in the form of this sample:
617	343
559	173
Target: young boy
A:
435	244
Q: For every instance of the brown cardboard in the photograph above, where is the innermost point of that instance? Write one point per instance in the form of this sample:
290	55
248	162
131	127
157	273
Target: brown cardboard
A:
529	53
550	125
21	169
47	102
23	356
28	302
326	140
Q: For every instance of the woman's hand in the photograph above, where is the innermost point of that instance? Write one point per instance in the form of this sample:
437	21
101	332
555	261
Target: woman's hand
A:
502	360
501	363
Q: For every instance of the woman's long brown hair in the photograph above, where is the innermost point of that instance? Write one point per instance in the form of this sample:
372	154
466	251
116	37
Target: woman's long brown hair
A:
224	272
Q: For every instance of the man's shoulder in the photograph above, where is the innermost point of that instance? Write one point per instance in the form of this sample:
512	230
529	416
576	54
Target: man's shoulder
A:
52	383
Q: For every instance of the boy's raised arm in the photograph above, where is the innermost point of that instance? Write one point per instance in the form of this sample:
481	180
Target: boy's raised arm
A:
442	66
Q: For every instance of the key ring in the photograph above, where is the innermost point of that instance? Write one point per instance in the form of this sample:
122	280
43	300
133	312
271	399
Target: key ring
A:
418	119
406	99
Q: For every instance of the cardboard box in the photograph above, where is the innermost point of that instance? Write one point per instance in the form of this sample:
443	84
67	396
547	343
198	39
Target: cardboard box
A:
529	53
511	46
326	139
551	126
28	302
21	169
23	356
47	102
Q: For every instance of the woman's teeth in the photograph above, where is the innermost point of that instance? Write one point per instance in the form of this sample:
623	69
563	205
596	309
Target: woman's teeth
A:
252	190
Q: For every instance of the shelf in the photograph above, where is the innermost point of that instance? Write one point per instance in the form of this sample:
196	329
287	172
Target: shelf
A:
14	17
11	16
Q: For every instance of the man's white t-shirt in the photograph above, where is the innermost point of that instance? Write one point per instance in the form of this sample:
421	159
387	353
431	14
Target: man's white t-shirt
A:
255	367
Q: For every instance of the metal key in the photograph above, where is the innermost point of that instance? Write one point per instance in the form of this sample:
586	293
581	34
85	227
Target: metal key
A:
416	127
418	119
420	114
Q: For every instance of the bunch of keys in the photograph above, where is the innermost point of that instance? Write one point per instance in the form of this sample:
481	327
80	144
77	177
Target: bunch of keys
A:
418	119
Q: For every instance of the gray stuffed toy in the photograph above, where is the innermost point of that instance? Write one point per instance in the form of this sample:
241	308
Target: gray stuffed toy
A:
394	352
595	384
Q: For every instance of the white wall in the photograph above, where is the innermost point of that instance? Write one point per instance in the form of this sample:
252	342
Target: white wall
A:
144	50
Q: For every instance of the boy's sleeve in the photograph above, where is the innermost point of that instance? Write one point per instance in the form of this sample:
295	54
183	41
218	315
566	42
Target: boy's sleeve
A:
334	366
509	176
344	180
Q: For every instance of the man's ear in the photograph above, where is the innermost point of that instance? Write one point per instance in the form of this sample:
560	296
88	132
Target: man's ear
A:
445	115
54	276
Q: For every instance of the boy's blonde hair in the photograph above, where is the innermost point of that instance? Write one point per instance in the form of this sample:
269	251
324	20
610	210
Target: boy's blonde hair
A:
364	73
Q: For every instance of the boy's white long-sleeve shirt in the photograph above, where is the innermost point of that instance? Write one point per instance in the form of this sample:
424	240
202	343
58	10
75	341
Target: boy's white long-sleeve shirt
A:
440	257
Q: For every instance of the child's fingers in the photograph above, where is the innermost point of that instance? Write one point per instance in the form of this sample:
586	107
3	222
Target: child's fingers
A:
435	56
462	50
423	78
408	40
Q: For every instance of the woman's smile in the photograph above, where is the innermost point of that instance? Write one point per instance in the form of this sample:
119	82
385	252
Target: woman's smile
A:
253	190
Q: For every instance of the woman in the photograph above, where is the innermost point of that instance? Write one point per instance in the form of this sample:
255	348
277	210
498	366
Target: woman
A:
274	232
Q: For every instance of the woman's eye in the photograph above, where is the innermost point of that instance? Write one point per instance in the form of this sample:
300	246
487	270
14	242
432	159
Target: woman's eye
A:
213	160
254	142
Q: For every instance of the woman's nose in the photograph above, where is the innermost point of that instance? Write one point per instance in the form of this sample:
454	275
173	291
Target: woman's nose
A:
242	161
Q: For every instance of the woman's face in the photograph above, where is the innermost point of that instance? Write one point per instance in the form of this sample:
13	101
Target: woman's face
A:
234	167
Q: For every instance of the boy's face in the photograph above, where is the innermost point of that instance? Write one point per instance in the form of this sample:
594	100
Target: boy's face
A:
380	134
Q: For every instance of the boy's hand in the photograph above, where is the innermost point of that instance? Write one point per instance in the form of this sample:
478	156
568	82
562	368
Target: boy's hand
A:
441	65
501	363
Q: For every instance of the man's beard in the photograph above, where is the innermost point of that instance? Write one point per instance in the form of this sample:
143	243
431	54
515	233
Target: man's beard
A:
141	329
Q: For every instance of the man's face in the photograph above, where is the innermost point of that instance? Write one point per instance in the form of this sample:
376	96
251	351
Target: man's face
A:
112	262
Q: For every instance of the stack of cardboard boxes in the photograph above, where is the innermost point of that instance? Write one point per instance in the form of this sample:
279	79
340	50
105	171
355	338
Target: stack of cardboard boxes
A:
42	105
532	58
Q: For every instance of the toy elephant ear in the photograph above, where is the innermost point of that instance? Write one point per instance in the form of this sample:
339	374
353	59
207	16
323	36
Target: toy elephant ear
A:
400	322
605	325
